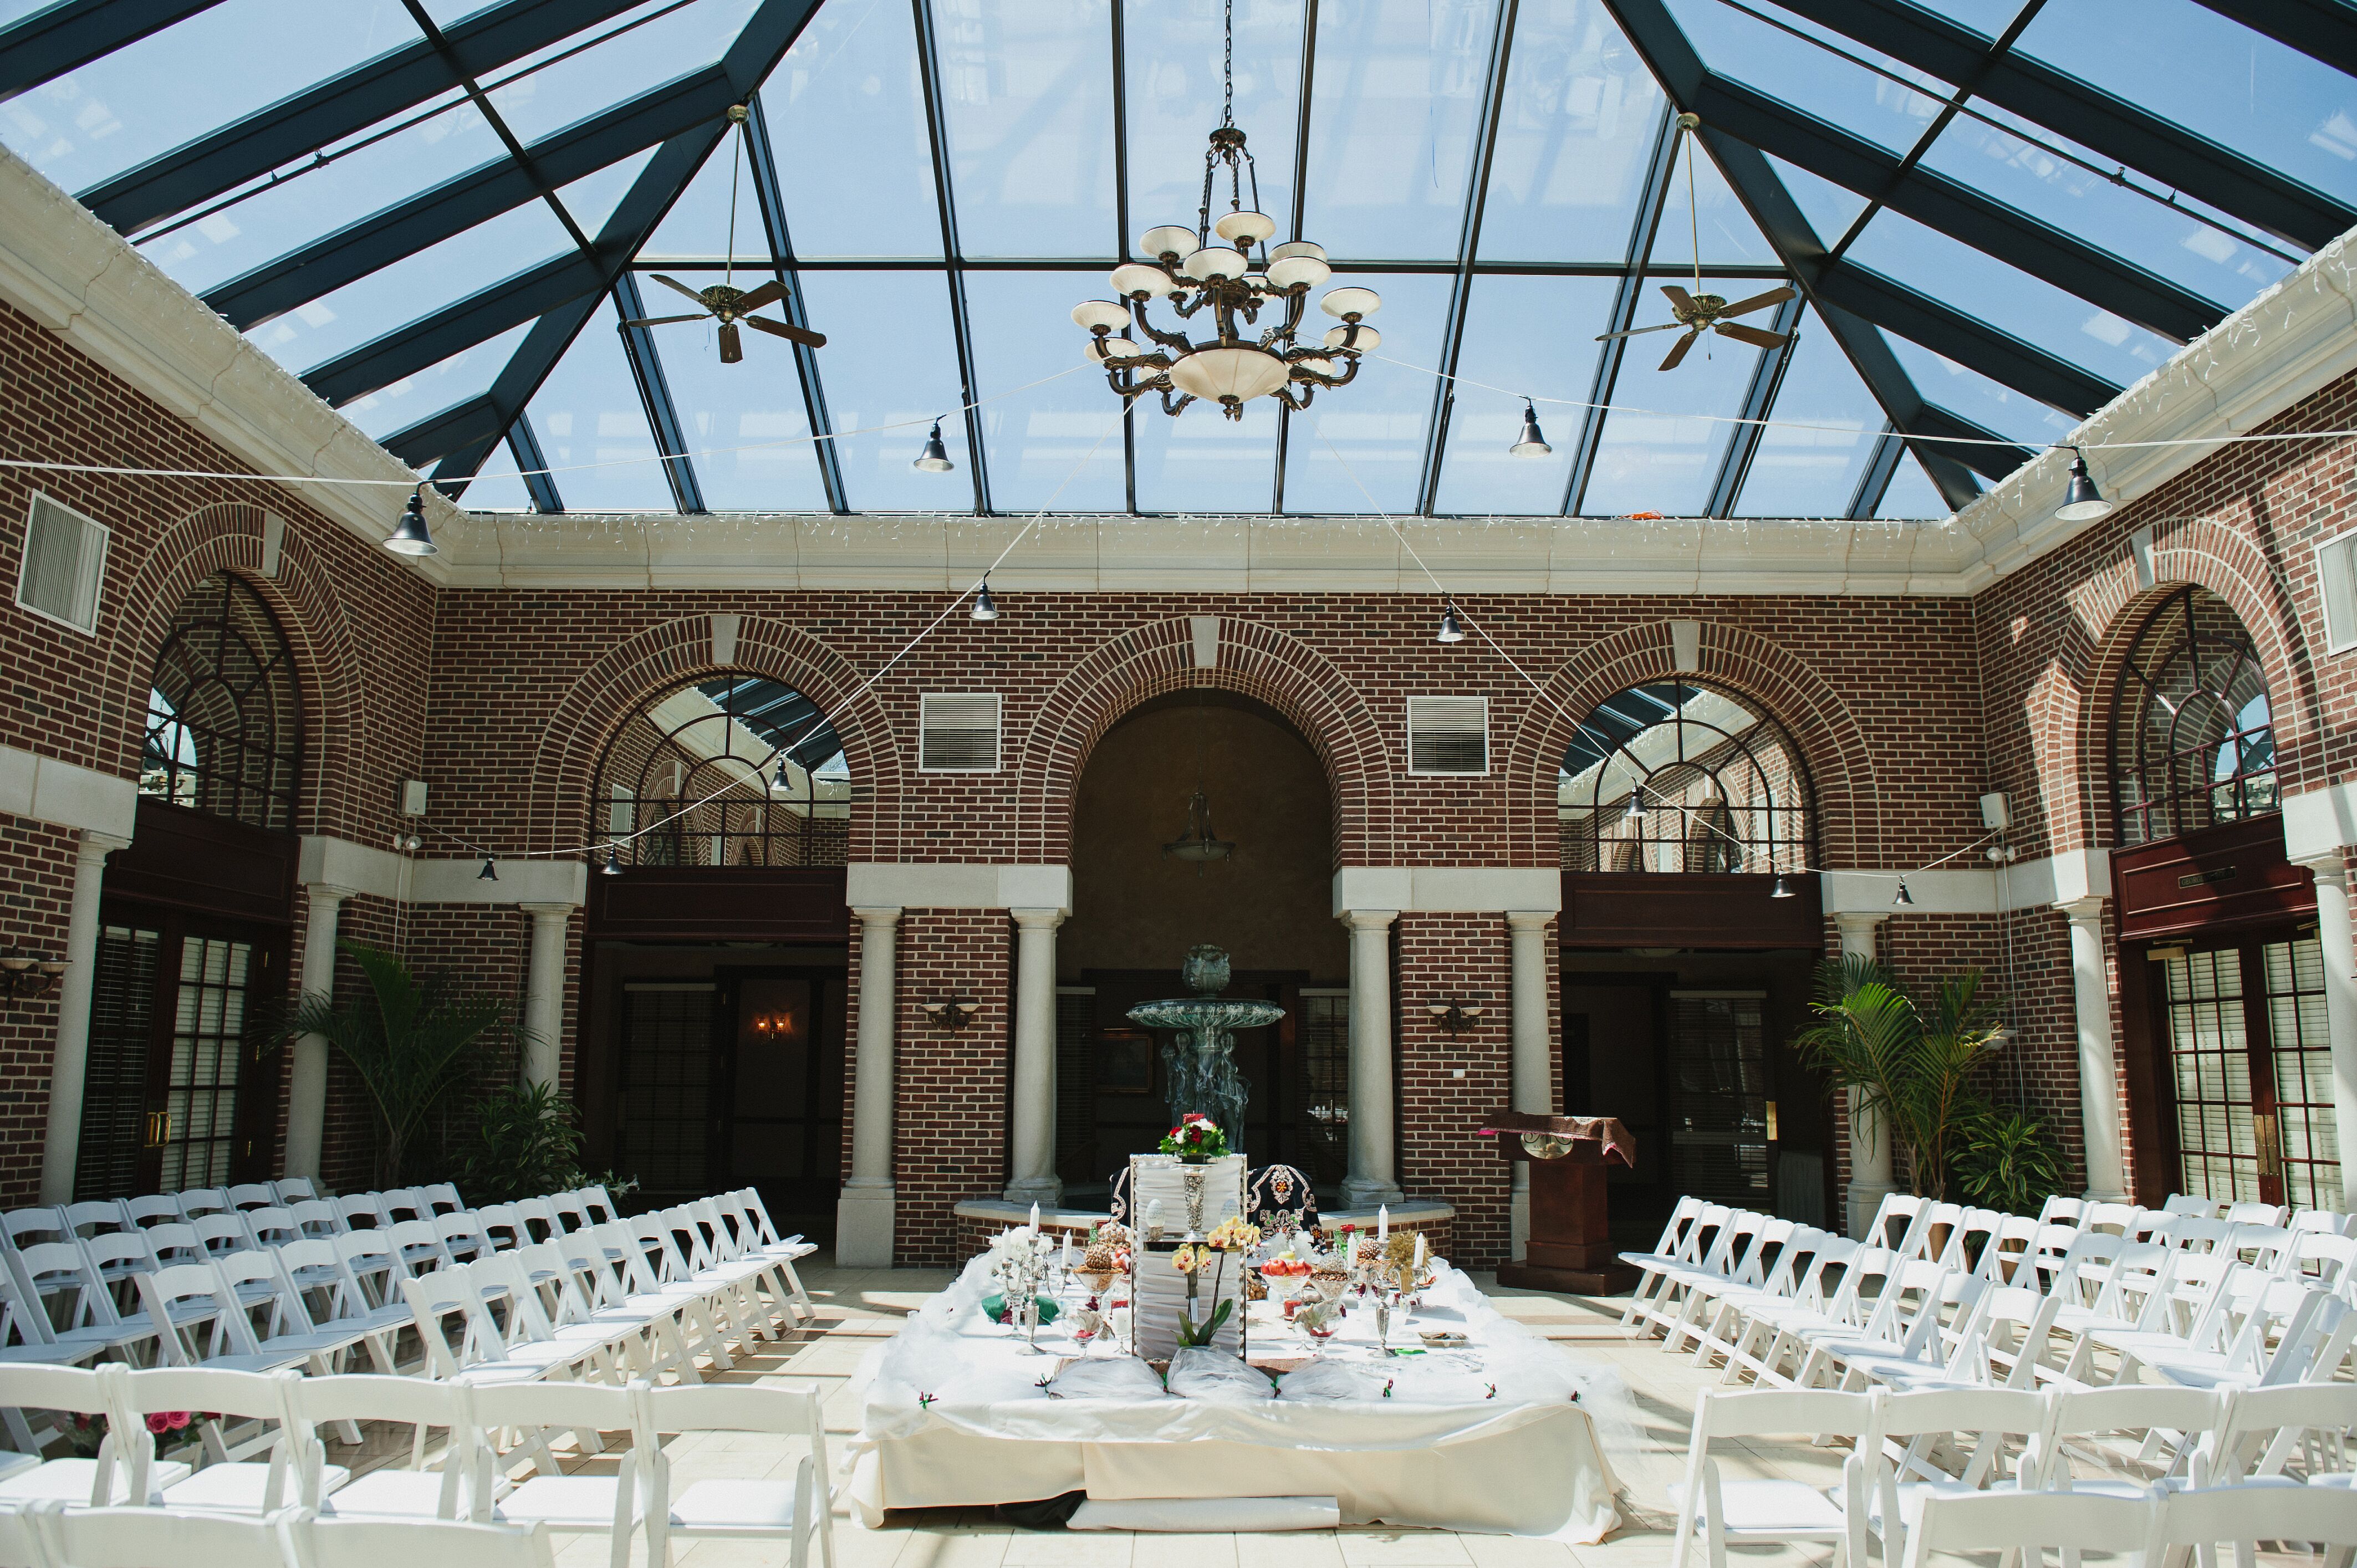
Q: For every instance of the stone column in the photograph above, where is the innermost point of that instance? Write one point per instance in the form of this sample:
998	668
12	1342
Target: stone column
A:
1031	1099
71	1061
863	1214
2099	1092
1370	1180
1869	1146
543	992
306	1080
2333	935
1533	1050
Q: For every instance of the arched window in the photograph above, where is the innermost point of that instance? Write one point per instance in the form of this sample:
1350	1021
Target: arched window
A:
2192	738
729	771
1675	776
224	714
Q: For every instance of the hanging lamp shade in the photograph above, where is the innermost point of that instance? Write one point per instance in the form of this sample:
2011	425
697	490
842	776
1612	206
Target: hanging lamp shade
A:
985	607
1530	444
1219	374
1198	842
413	538
935	458
1783	888
1636	805
1451	629
489	872
1904	897
2084	503
613	866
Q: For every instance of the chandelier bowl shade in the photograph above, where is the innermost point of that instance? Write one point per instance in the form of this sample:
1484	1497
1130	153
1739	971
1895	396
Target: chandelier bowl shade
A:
1363	341
1095	313
1292	248
1170	239
1298	272
1348	302
1220	374
1099	350
1138	279
1214	262
1248	226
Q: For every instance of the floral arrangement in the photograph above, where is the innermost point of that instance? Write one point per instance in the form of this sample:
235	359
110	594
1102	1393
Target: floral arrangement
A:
1193	1258
1196	1136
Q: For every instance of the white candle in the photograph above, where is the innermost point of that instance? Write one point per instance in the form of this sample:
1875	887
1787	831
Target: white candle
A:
1067	1259
1419	1252
1034	1219
1383	1224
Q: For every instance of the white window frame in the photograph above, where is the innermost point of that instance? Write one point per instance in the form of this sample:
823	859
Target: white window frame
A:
2336	639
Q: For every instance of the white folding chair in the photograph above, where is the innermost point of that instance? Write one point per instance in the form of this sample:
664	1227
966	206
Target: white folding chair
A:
39	1224
420	1243
293	1190
728	1509
360	1210
73	1390
420	1403
2251	1213
1775	1511
2187	1203
399	1203
600	1208
151	1538
336	1541
2268	1428
48	1271
252	1194
340	1312
442	1196
2007	1522
611	1505
197	1201
315	1217
153	1208
462	1238
1680	1242
2303	1517
200	1321
2187	1424
433	1300
95	1215
497	1224
213	1400
1917	1425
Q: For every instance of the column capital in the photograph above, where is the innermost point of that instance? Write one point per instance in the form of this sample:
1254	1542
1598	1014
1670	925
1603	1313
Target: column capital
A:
2087	911
1530	920
1368	919
330	892
100	846
875	915
2330	869
1036	919
549	911
1859	922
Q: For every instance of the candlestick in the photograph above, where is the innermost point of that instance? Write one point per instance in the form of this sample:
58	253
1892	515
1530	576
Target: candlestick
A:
1419	1254
1383	1224
1034	1219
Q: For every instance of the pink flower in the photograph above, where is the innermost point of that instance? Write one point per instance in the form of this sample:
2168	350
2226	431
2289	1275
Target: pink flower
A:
176	1419
158	1423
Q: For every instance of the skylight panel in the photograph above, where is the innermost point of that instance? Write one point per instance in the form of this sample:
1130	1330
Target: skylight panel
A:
846	118
1536	336
623	65
871	378
1375	428
1575	132
593	427
1039	440
592	198
697	223
1656	454
1892	114
2023	173
2080	331
1986	18
466	374
1829	207
412	287
745	426
2215	77
496	486
1027	101
1201	462
313	202
1813	471
182	82
1394	123
1912	495
1171	58
1715	220
1972	396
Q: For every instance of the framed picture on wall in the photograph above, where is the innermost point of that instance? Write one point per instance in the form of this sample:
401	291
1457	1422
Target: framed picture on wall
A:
1124	1061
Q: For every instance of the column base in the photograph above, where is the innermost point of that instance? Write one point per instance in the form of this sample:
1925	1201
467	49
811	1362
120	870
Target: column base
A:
1518	1224
2094	1196
1045	1191
1864	1200
1360	1193
863	1227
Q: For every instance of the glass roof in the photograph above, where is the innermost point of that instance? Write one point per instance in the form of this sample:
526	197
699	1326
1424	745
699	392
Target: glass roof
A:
440	214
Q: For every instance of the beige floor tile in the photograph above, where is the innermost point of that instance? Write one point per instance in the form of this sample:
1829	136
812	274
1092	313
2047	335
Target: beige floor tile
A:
1402	1549
1514	1551
1156	1549
1289	1549
1068	1549
953	1547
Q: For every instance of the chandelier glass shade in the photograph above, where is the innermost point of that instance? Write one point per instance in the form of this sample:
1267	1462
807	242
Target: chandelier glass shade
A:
1225	278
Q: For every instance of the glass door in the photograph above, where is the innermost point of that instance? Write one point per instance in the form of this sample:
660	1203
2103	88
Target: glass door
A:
784	1118
667	1114
2250	1074
1721	1142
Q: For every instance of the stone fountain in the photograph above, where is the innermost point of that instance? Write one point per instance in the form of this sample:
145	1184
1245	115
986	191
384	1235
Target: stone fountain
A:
1199	1067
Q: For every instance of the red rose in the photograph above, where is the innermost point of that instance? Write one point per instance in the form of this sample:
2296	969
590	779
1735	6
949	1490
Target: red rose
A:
176	1419
158	1423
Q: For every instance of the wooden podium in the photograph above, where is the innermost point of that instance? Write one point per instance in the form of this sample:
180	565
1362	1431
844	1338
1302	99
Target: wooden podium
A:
1570	1248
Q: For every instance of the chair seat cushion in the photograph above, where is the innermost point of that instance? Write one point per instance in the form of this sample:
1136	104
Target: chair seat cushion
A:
71	1479
387	1494
563	1502
241	1487
1773	1508
734	1505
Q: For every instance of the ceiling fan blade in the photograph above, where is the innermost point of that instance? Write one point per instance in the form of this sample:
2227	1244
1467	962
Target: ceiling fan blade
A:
1678	296
1678	349
795	334
1743	333
753	301
1758	302
732	345
1640	331
662	320
674	283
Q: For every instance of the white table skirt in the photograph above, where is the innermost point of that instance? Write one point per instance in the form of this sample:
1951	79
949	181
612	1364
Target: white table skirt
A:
955	1414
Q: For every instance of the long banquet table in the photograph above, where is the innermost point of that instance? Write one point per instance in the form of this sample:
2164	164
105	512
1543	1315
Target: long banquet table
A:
1500	1437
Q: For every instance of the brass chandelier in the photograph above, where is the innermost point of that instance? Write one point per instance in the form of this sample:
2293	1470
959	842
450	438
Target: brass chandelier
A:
1211	271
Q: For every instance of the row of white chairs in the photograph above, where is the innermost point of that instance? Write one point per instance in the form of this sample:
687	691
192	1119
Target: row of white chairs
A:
51	1535
174	1208
500	1461
2025	1447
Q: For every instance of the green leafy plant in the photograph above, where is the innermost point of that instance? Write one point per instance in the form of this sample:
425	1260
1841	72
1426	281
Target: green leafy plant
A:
527	1143
2008	1163
412	1039
1907	1070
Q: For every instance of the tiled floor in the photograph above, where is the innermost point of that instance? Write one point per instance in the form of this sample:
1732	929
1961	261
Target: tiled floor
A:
859	1308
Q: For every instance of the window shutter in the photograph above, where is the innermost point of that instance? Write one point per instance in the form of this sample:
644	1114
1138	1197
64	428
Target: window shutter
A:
2336	576
1448	734
958	734
65	561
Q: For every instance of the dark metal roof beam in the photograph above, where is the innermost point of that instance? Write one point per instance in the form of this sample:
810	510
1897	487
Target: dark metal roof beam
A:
1118	20
1957	210
770	198
460	203
64	37
654	394
1874	483
2321	30
340	106
531	463
1983	451
928	75
2094	118
1965	339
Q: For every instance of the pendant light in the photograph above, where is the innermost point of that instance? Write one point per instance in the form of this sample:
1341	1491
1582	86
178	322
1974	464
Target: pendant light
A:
413	538
1532	443
985	607
1451	629
2085	503
1783	888
489	872
784	782
935	458
1198	843
1904	897
613	866
1636	804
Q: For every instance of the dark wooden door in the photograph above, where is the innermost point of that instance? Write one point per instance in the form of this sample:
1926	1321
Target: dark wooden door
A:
666	1110
1722	1145
779	1088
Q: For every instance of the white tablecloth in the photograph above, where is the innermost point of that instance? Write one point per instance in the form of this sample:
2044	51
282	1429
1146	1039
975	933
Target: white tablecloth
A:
1500	1437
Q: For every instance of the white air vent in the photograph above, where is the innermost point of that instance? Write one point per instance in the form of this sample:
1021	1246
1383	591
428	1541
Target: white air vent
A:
958	734
2336	581
65	561
1448	734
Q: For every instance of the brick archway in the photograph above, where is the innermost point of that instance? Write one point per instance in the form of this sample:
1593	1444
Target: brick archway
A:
329	651
1254	659
583	720
1846	821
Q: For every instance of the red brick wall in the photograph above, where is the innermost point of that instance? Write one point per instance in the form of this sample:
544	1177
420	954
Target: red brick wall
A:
1462	957
36	900
949	1097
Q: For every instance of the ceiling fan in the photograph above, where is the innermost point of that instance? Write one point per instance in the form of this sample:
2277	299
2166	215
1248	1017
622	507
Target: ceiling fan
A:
1697	312
723	302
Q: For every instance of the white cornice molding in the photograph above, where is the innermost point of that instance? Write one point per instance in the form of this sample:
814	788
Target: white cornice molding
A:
64	795
82	279
1448	890
944	884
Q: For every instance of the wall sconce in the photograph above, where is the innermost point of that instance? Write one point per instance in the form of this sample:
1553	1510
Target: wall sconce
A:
774	1025
1455	1016
952	1014
23	973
